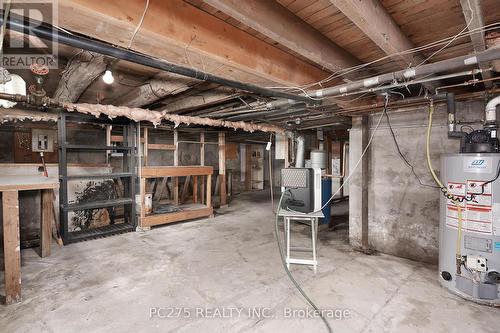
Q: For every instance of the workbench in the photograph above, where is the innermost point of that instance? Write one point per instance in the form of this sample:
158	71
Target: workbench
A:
187	212
10	187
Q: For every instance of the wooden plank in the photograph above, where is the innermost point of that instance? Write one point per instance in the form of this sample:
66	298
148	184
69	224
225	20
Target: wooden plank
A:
173	171
373	19
185	188
158	219
202	162
222	168
162	186
282	26
161	146
119	138
173	29
25	183
195	189
46	223
146	146
11	245
176	163
209	190
248	167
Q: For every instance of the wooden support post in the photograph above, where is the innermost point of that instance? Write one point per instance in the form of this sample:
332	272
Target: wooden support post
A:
365	132
176	163
146	147
209	191
202	162
248	168
195	189
46	223
142	189
12	254
108	142
222	168
185	188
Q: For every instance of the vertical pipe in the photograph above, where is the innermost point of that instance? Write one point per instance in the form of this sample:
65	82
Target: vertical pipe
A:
299	162
364	184
450	104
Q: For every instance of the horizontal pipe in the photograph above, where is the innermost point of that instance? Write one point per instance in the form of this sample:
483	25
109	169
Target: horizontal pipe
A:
47	31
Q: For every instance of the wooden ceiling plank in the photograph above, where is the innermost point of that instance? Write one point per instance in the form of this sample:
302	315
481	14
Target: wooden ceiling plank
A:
276	22
183	34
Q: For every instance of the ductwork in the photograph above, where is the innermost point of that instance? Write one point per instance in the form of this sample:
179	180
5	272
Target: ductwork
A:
491	110
299	162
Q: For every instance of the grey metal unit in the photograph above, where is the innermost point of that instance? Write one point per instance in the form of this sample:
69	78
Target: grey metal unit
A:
477	277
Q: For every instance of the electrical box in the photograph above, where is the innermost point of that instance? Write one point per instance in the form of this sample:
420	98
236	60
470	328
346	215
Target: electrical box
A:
476	263
42	140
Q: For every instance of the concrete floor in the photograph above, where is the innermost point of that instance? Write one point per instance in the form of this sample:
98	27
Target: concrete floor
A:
230	262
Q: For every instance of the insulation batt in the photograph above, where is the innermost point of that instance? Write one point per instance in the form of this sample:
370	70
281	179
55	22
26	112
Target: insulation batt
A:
155	117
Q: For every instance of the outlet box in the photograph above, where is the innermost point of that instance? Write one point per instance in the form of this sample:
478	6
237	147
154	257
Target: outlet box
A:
42	140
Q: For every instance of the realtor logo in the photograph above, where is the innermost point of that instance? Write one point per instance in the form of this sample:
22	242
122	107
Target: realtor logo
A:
20	51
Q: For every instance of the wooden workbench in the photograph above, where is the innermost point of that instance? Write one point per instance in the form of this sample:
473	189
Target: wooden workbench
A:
10	187
188	211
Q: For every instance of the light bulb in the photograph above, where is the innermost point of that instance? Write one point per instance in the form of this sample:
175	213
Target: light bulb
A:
108	77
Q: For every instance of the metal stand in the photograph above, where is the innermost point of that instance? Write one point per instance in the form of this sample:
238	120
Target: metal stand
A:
128	172
312	220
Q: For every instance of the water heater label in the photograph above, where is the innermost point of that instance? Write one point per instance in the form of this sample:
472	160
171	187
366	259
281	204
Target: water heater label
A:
496	219
497	246
478	164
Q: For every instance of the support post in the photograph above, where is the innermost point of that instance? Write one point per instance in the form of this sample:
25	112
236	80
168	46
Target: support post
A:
222	169
46	223
145	150
202	162
176	163
365	132
12	254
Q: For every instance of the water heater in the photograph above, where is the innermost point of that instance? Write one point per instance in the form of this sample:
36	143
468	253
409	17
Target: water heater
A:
469	263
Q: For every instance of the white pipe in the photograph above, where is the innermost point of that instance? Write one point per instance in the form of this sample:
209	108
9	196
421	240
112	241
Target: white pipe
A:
299	161
491	109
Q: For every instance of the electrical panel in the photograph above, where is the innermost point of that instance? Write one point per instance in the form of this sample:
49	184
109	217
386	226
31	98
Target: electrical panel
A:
42	140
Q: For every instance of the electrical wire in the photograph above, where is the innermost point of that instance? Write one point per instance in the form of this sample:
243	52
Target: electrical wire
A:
356	68
412	168
138	25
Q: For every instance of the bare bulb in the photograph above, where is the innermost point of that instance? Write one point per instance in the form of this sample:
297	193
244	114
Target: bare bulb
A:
108	77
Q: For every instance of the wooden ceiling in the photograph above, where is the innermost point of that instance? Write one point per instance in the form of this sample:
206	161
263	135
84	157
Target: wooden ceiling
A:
196	34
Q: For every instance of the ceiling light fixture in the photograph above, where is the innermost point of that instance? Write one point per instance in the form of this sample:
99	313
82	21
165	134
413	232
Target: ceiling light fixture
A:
108	77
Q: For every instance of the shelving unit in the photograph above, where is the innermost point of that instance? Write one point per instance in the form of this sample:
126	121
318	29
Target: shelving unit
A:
128	175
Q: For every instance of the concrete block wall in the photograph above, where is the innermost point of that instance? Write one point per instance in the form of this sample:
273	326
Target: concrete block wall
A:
403	215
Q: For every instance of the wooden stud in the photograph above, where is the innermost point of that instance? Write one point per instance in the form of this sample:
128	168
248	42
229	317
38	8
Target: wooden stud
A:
202	162
209	190
46	223
146	146
222	168
185	188
12	252
176	163
195	189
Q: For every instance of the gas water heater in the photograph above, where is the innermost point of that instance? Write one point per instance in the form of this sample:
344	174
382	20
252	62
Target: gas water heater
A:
469	261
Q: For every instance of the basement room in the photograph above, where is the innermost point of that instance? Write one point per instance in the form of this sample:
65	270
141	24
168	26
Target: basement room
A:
249	166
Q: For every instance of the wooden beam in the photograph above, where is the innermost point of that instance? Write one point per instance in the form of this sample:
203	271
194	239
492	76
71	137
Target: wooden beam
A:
175	171
181	33
203	99
161	146
279	24
46	223
11	246
79	73
158	87
157	219
473	14
373	19
222	169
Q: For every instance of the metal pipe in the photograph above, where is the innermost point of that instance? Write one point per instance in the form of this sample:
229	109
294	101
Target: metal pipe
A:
491	110
47	31
450	104
299	163
433	68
